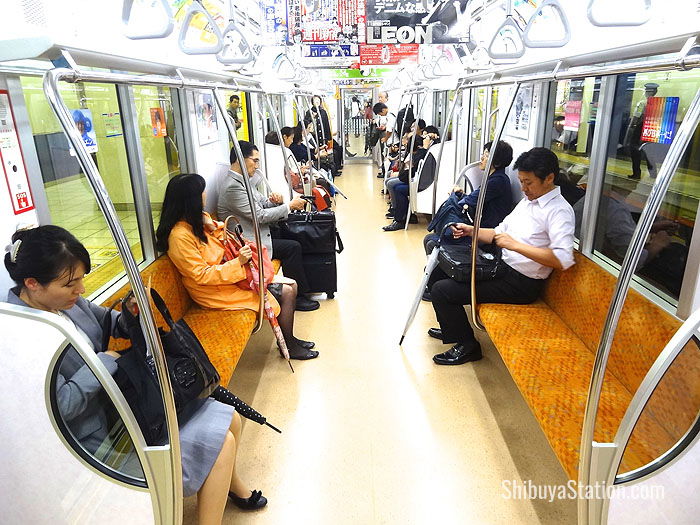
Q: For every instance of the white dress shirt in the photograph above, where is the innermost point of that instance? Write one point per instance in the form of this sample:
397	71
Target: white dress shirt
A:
546	222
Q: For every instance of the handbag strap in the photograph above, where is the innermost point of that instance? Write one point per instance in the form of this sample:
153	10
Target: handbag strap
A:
340	247
235	236
162	308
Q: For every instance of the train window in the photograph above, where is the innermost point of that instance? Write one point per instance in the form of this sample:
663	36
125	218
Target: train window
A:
573	120
161	152
89	422
96	110
647	112
476	141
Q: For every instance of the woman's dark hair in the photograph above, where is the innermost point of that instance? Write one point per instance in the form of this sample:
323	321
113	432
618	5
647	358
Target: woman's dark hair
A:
183	201
378	108
272	138
45	253
320	100
540	161
247	148
503	155
287	131
298	137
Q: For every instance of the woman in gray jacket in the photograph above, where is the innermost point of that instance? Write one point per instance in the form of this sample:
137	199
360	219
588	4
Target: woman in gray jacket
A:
49	264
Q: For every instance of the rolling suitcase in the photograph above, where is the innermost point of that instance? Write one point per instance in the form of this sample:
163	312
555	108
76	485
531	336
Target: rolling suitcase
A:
320	241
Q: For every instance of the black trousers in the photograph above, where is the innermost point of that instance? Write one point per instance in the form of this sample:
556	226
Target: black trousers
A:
289	253
449	297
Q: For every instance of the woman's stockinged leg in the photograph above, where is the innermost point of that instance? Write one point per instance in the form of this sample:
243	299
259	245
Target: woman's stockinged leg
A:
212	497
236	485
286	315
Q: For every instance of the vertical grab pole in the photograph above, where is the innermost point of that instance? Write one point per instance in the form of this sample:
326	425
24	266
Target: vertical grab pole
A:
303	127
629	264
443	139
173	498
251	202
313	122
276	124
480	208
412	171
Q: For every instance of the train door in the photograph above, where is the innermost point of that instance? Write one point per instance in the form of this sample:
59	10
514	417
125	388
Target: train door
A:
356	118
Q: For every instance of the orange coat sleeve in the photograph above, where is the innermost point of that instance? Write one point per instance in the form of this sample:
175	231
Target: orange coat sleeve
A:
183	250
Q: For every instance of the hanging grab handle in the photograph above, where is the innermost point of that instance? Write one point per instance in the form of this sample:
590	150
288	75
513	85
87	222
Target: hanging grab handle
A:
539	15
196	8
154	31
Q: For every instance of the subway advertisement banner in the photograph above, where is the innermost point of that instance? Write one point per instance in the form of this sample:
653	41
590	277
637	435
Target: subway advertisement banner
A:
660	119
340	21
390	54
417	21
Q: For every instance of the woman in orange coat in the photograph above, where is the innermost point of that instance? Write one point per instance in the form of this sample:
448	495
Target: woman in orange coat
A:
194	244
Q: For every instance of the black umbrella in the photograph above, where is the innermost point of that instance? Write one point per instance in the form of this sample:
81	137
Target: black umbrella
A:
223	395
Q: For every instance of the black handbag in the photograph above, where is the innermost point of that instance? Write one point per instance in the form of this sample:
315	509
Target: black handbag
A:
192	376
456	261
315	231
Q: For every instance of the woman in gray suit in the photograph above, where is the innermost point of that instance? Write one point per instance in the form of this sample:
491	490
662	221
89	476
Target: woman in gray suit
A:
49	264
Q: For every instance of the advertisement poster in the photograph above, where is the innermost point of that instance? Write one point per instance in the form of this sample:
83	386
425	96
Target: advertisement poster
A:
83	121
351	15
113	124
158	122
519	117
388	54
330	55
572	115
207	128
417	21
313	21
276	21
660	119
12	160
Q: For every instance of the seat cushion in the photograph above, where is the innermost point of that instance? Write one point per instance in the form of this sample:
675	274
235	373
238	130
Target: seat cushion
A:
552	368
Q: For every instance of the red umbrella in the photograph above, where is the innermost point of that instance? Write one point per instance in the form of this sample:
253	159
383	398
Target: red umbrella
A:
233	242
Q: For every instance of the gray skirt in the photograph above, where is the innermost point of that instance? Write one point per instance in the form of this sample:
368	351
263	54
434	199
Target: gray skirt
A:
201	439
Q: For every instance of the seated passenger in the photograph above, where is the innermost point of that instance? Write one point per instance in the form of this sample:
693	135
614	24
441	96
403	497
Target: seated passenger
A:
49	264
498	201
536	237
194	244
233	200
398	187
298	146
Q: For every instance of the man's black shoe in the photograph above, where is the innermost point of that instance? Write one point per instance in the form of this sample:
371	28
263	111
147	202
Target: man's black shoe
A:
459	354
435	332
380	176
396	225
389	214
413	219
306	305
428	298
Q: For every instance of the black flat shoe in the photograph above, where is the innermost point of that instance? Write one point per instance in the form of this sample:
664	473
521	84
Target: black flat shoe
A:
389	215
254	502
304	344
302	354
435	332
428	298
459	354
396	225
413	219
306	305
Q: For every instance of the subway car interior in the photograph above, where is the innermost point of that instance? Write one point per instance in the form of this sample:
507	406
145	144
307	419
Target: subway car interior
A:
350	262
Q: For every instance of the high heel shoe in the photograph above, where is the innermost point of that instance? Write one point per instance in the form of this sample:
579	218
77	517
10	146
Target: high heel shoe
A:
254	502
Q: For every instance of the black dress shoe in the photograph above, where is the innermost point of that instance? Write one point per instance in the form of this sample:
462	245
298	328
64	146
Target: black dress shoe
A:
380	176
306	305
413	219
304	344
459	354
435	332
254	502
389	215
396	225
302	354
427	297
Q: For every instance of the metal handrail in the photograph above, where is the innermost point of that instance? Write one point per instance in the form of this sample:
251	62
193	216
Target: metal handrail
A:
414	169
307	109
473	313
276	124
629	264
251	202
300	117
146	319
443	139
681	62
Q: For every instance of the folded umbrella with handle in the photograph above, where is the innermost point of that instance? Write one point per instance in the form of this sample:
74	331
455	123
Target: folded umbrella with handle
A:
225	396
429	267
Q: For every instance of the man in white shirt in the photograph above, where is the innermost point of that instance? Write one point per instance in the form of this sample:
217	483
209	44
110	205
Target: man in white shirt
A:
535	238
385	122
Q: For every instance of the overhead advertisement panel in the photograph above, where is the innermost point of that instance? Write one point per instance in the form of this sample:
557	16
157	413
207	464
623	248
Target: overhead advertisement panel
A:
391	54
417	21
276	20
330	55
341	21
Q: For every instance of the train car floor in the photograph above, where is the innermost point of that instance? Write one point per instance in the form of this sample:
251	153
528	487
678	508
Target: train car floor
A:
377	434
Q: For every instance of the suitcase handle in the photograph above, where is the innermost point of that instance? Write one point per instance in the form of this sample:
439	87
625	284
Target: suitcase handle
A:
340	247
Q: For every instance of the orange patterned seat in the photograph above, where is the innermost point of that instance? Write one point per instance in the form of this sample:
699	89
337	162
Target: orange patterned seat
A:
549	347
223	334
